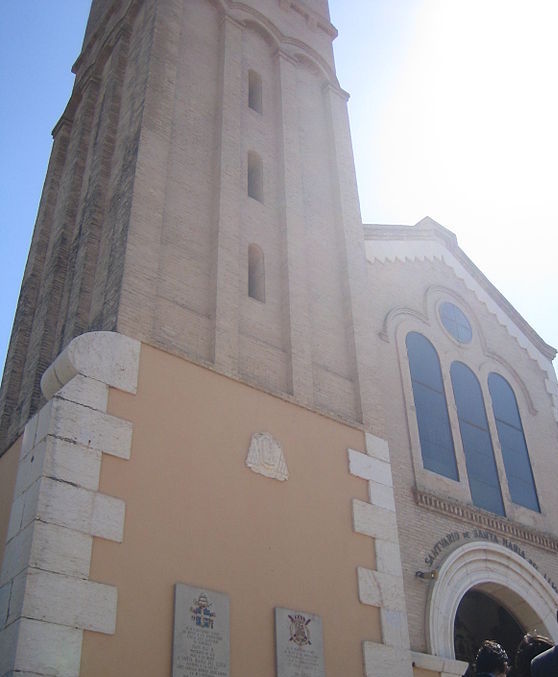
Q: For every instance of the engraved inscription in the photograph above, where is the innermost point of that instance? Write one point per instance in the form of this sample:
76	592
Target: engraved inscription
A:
299	644
201	633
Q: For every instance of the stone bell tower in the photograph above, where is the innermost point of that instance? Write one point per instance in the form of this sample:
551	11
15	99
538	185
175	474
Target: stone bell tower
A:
192	357
201	197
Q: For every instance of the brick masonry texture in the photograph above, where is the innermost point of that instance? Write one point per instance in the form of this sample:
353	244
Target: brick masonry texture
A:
145	221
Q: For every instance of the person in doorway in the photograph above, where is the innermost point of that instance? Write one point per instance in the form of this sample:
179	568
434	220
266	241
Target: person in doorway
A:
492	660
546	663
530	646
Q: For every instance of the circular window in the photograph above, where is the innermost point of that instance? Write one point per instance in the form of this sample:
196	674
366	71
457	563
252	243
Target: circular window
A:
455	322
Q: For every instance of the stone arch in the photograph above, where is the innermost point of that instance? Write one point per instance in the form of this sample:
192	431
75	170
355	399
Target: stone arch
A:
498	572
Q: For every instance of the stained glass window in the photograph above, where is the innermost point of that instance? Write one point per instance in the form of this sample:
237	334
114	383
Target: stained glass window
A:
512	440
436	442
455	322
475	435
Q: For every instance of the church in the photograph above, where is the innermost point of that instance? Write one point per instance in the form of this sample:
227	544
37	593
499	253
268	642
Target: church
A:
241	432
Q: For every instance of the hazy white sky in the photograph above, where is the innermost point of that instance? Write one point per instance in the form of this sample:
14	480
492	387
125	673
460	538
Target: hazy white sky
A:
454	112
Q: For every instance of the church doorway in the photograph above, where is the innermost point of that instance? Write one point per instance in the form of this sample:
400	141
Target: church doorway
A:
506	588
480	617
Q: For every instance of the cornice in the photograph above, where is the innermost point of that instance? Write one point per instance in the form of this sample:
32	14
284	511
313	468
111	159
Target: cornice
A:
485	520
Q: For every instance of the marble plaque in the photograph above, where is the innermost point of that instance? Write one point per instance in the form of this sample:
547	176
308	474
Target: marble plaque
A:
201	633
299	644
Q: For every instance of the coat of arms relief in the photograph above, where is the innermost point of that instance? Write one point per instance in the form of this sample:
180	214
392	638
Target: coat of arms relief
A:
266	457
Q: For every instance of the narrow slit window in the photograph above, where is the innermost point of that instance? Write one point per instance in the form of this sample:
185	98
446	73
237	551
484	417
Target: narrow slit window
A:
256	273
436	441
255	91
255	176
477	444
512	440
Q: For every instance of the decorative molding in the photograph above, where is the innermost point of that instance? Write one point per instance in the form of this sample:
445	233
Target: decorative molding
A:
504	575
265	457
46	597
427	242
485	520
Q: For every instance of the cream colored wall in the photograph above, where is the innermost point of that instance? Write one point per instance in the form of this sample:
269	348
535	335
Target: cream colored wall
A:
8	470
196	514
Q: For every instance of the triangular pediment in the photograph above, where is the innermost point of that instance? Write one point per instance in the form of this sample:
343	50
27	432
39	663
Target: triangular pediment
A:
430	241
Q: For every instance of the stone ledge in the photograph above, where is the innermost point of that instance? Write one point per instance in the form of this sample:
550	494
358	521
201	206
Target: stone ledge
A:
449	666
380	659
105	356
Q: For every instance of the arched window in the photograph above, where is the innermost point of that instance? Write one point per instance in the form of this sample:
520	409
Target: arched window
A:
255	91
255	176
477	445
436	442
512	440
256	273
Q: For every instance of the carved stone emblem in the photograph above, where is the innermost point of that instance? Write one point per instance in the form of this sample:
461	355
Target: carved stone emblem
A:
265	457
300	632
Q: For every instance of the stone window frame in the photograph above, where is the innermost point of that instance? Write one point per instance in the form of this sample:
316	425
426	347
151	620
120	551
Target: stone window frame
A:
255	91
256	273
479	359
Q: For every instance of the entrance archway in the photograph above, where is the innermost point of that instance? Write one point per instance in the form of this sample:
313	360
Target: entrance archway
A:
480	617
499	573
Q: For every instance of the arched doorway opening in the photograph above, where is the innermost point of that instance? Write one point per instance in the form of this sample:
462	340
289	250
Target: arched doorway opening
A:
498	573
479	616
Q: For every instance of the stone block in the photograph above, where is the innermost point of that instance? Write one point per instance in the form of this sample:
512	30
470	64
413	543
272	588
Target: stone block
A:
395	630
70	601
8	646
30	503
377	447
16	516
105	356
82	510
30	646
374	521
65	551
369	468
379	589
5	591
388	557
90	428
30	468
448	666
86	391
29	433
43	422
73	463
17	596
381	660
17	554
108	517
381	495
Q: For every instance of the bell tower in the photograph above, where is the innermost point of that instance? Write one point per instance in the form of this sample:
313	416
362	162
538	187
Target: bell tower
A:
201	197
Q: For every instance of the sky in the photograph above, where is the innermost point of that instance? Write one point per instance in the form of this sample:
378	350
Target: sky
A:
453	110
